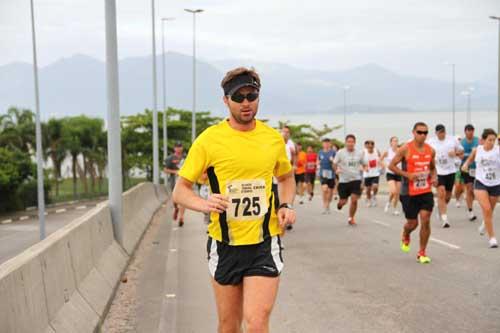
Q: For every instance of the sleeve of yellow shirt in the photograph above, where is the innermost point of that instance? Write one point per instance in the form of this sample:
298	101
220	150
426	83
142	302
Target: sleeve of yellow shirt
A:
283	165
195	164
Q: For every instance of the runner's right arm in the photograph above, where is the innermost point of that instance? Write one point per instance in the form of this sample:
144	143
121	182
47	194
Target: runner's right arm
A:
393	166
470	159
185	196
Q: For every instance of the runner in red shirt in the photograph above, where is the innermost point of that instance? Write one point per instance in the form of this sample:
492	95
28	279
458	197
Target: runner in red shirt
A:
419	174
312	159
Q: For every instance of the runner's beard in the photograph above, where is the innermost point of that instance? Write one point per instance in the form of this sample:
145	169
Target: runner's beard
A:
240	119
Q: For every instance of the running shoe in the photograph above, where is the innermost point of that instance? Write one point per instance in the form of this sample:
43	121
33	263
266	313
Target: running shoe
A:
289	227
445	223
458	204
181	222
405	244
481	228
387	206
396	212
301	202
423	258
493	243
351	222
472	216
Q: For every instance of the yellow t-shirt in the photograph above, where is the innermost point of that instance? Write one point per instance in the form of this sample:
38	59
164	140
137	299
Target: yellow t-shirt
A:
240	165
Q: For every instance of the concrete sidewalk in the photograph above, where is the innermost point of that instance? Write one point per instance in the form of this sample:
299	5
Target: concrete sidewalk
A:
336	278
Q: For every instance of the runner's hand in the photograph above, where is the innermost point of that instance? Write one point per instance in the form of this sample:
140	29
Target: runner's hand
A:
216	203
434	181
452	153
465	168
286	216
412	176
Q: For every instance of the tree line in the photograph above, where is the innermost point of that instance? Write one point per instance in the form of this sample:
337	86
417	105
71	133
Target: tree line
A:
82	141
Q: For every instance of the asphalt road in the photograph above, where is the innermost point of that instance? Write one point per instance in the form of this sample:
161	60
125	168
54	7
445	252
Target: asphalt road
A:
19	233
338	278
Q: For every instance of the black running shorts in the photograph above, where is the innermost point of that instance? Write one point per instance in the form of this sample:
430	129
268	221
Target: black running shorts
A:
229	264
329	182
468	179
310	178
447	181
412	205
299	178
391	176
493	191
369	181
346	189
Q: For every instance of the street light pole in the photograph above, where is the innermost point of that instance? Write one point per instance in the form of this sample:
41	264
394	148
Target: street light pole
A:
468	93
165	146
114	136
193	119
156	172
346	88
452	95
498	93
38	130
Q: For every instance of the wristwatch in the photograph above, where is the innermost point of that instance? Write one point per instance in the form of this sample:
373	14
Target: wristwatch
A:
285	205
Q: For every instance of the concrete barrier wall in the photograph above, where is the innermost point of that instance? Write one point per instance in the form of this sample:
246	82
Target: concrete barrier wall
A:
65	282
139	205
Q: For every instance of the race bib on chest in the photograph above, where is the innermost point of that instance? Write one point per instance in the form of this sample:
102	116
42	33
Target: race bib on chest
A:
420	184
372	164
491	175
442	160
310	165
327	174
247	199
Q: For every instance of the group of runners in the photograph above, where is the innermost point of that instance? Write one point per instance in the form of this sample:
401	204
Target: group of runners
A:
254	173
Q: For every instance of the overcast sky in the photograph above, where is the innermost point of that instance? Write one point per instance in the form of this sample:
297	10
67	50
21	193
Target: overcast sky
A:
408	36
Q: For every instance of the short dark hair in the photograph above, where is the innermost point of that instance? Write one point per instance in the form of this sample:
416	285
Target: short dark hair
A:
287	127
420	123
487	132
350	136
469	127
326	140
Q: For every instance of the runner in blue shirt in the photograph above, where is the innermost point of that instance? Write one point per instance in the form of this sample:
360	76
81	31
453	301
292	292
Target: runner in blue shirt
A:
326	173
469	143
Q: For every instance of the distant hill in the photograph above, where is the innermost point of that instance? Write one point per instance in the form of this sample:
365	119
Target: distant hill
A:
76	85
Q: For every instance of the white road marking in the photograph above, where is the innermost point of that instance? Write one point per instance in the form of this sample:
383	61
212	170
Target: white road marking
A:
381	223
170	295
80	207
451	246
6	221
22	218
62	210
173	250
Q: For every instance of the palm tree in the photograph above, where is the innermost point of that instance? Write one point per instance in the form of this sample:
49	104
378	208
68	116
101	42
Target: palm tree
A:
56	149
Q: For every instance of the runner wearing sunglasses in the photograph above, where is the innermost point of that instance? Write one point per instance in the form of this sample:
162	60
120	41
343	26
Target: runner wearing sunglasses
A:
487	183
418	170
241	155
447	148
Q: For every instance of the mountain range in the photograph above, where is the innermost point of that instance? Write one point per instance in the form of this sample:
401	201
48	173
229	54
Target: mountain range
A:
76	85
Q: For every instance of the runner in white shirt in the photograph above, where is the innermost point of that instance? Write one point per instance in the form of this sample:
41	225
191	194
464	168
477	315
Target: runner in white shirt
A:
487	183
372	174
393	180
447	149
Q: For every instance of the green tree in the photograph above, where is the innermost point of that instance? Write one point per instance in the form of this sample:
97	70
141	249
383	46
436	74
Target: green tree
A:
17	129
15	168
55	148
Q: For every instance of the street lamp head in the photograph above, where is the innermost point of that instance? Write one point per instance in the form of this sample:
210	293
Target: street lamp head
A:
194	11
495	18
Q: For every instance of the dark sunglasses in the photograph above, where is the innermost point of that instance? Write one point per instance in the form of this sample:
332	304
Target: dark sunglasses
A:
239	98
422	132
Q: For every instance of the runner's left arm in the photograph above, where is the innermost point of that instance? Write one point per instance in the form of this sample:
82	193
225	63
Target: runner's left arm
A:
470	159
433	168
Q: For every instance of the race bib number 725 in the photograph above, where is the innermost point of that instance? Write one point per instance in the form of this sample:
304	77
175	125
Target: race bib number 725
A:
247	199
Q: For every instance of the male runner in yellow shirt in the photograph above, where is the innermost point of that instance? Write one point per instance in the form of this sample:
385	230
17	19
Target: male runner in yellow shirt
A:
241	155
